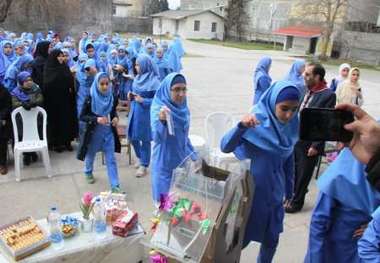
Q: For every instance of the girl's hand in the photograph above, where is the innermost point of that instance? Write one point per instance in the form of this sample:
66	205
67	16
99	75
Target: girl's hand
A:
250	121
102	120
115	121
360	231
162	114
139	99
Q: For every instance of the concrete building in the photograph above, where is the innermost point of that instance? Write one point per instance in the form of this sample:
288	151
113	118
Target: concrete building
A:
125	8
300	39
217	6
196	24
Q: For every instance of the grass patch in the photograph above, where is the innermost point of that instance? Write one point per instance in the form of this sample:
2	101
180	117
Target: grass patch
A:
192	55
338	62
241	45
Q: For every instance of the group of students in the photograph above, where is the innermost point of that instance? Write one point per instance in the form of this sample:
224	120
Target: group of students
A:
80	89
281	164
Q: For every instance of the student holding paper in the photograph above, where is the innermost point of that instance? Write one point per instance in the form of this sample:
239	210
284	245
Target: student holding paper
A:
170	122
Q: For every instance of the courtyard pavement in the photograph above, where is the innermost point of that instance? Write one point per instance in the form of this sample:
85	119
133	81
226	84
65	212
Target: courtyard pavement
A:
219	79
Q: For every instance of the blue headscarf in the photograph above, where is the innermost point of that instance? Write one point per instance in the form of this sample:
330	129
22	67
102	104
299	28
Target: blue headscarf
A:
272	135
81	73
262	70
101	103
179	113
5	60
103	62
136	45
148	78
18	92
173	59
295	76
123	59
345	180
178	47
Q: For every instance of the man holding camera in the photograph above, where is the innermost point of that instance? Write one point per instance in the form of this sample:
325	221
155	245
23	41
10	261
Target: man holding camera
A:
307	153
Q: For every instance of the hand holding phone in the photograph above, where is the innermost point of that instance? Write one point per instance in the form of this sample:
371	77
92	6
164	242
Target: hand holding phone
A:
319	124
366	141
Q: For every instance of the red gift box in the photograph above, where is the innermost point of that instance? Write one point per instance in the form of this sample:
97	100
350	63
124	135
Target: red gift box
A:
124	223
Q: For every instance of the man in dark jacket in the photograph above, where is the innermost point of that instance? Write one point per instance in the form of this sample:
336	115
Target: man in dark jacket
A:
5	127
307	153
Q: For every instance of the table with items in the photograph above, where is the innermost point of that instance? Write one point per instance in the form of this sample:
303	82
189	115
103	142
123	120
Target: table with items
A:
28	240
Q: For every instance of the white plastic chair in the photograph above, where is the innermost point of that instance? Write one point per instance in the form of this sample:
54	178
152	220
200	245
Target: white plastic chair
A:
199	144
31	141
216	126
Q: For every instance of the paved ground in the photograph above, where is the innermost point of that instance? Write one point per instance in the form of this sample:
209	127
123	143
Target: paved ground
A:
219	79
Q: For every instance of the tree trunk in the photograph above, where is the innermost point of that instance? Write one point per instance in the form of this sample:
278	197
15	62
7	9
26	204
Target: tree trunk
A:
326	43
4	8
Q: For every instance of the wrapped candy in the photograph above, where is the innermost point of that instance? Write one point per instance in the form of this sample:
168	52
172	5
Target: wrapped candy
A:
156	257
205	226
166	202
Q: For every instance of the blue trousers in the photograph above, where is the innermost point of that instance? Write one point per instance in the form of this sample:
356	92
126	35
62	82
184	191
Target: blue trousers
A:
142	150
267	250
103	141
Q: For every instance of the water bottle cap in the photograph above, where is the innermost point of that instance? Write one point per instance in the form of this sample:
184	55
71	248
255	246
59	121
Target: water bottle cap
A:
53	208
97	199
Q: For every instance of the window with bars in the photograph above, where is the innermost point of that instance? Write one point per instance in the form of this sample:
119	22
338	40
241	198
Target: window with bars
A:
197	25
214	27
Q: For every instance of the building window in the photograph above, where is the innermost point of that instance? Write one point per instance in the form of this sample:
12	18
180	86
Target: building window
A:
213	27
197	25
113	10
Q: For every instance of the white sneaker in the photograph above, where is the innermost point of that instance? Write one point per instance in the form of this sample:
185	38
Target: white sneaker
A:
136	165
142	171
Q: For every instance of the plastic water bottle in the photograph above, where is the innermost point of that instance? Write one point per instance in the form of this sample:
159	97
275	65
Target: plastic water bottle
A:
54	221
100	217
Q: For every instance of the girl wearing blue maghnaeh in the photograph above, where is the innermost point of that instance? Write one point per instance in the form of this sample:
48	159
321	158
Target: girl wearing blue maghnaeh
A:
343	210
267	137
99	114
295	75
22	63
169	151
141	96
261	79
7	56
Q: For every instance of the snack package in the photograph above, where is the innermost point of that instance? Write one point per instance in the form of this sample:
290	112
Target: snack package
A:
124	223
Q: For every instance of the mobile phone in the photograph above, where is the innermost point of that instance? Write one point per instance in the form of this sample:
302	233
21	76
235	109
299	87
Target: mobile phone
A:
319	124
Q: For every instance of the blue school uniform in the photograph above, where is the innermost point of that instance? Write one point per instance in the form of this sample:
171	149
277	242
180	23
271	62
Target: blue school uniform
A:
345	203
296	77
261	79
163	67
269	146
369	244
102	137
10	79
169	151
5	60
139	131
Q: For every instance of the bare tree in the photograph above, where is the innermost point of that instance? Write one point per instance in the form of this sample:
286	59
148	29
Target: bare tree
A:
326	12
4	8
235	18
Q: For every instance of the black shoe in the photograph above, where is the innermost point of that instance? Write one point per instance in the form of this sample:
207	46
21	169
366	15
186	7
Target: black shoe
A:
292	209
34	157
69	148
58	149
27	160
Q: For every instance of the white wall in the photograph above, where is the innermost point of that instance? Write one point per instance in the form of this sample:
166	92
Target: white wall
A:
121	11
186	28
168	26
300	45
